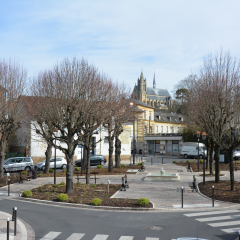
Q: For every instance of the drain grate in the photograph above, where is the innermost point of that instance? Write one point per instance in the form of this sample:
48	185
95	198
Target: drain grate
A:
158	228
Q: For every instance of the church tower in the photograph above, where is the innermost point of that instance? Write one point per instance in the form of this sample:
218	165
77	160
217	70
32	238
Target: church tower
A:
154	82
142	89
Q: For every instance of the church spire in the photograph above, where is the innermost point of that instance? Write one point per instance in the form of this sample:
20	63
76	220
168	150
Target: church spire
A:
154	82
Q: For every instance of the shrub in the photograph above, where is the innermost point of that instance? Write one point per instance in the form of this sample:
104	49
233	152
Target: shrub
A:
39	174
62	197
27	193
99	166
55	185
76	168
62	183
201	160
50	170
139	164
143	201
93	185
174	161
96	201
65	171
122	165
188	161
24	172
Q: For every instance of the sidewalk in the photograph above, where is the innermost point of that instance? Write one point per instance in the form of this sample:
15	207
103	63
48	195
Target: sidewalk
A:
166	196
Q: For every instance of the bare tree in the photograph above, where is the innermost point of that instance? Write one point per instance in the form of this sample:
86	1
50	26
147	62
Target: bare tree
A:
13	80
213	101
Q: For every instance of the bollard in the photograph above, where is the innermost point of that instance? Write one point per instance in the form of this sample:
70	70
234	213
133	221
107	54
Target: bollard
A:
162	160
14	218
7	228
238	235
213	196
123	186
151	161
8	187
141	159
95	178
182	197
126	183
108	185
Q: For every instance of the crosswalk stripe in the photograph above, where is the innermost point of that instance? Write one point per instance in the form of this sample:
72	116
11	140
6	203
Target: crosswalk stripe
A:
210	213
152	238
50	235
221	224
231	230
76	236
126	238
100	237
217	218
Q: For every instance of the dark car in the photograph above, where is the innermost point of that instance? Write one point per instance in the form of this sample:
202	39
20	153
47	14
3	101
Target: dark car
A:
94	160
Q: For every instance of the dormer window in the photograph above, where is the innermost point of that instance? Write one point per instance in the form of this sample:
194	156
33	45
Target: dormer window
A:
158	117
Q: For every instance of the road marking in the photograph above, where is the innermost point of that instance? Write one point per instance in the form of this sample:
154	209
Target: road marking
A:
217	218
76	236
100	237
152	238
126	238
231	230
193	205
50	235
221	224
210	213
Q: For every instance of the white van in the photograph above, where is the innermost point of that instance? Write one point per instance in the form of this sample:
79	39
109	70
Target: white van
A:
190	149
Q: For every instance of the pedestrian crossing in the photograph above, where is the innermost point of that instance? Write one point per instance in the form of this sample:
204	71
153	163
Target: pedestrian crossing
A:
222	219
78	236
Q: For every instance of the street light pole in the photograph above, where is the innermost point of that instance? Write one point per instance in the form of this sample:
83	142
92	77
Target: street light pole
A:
204	138
134	147
55	130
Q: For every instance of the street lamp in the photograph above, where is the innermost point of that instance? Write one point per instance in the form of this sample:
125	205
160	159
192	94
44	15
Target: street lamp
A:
204	138
132	104
55	130
198	136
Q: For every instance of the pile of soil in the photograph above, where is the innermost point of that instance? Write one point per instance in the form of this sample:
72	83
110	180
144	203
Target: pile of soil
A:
85	193
222	191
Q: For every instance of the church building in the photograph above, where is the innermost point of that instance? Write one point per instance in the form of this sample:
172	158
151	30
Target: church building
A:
155	97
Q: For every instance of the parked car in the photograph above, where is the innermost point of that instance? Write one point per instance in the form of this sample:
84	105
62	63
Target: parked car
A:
236	154
60	163
94	160
18	164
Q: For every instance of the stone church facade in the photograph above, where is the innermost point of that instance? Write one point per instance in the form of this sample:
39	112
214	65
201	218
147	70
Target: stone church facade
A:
155	97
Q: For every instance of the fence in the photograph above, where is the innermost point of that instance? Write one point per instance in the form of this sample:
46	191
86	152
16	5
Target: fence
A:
10	155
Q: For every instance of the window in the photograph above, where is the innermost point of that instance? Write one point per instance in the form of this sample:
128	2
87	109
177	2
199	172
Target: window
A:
161	129
178	130
156	128
145	116
167	129
106	140
27	160
172	129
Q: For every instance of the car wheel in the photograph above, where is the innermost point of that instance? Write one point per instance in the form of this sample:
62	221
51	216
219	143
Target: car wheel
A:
27	168
185	156
102	163
4	170
64	166
43	167
200	156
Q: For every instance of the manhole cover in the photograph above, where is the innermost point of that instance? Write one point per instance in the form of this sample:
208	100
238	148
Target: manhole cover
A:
156	228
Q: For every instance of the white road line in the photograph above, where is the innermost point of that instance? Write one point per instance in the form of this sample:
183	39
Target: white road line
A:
126	238
218	218
50	235
231	230
210	213
152	238
76	236
221	224
100	237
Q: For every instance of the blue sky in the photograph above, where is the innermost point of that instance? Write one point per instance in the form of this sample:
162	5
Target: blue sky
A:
121	38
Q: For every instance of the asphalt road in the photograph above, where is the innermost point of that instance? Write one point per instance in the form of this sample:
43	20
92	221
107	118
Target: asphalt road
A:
46	218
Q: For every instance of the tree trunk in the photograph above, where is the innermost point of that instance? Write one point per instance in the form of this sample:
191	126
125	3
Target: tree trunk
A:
48	154
117	152
231	169
210	156
217	169
88	160
2	155
110	151
69	173
85	154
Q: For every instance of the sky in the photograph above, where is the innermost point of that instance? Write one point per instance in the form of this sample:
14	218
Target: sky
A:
120	37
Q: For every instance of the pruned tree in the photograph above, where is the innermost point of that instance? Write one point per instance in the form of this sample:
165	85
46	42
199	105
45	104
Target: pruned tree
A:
13	79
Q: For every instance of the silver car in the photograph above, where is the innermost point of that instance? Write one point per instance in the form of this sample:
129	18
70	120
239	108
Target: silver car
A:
18	164
60	163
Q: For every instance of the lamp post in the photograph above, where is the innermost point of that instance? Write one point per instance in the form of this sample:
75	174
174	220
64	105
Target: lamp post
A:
198	136
132	104
204	138
55	130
